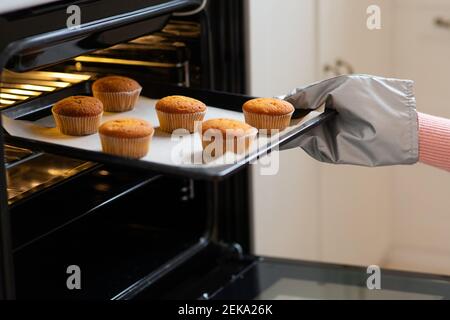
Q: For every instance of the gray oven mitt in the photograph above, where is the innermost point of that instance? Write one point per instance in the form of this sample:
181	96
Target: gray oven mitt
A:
376	124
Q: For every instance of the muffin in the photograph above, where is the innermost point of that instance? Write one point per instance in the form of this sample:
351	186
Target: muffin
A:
268	113
129	138
178	112
236	136
118	94
78	115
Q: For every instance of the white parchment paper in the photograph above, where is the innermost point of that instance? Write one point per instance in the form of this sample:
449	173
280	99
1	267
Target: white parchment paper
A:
165	149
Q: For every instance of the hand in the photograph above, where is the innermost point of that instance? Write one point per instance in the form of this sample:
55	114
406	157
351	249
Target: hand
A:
376	124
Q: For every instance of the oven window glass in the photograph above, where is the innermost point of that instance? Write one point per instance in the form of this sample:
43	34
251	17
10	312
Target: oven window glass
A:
295	289
273	279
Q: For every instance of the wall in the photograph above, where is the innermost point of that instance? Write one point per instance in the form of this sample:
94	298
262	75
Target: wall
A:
281	45
422	207
282	55
356	209
312	211
396	217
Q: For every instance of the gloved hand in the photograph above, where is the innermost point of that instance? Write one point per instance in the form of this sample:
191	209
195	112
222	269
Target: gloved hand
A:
376	124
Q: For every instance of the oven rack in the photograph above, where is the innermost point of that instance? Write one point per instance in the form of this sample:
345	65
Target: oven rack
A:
35	225
131	257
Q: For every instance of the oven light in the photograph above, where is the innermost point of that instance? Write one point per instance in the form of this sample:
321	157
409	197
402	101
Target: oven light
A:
69	77
12	96
103	173
47	76
3	101
78	66
126	62
35	87
27	87
34	184
19	91
55	172
57	84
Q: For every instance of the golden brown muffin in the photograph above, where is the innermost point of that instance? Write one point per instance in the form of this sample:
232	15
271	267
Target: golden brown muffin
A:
115	84
241	134
78	115
126	128
180	104
128	138
268	115
78	106
178	112
118	94
268	106
227	126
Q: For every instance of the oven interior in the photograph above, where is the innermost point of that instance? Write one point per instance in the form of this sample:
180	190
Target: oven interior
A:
127	229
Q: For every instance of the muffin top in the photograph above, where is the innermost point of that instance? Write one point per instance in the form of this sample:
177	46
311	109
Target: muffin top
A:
126	128
228	126
78	106
180	104
269	106
116	84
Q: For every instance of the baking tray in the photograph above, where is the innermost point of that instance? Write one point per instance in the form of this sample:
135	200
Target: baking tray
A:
29	125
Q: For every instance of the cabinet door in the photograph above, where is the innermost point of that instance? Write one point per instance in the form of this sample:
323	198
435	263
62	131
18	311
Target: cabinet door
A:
307	210
356	203
345	41
396	217
281	43
422	203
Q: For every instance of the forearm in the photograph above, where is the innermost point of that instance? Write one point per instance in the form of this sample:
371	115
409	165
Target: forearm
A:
434	141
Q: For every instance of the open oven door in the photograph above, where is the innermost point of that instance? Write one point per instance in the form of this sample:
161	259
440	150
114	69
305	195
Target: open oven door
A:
222	273
39	36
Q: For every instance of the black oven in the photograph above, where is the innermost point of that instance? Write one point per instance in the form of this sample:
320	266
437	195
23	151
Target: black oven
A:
134	230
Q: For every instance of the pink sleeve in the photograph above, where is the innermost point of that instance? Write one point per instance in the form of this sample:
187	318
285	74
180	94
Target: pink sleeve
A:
434	141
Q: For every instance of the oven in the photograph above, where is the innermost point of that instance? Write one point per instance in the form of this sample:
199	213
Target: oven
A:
134	229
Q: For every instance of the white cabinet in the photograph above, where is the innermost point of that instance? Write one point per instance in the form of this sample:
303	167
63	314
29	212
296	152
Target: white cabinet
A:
308	210
408	206
281	45
356	203
422	204
397	217
282	55
343	35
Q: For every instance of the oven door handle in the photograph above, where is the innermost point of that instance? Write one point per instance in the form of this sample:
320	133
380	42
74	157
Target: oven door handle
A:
93	27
